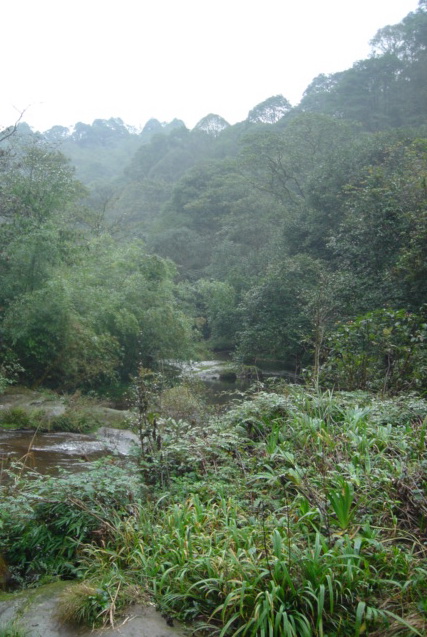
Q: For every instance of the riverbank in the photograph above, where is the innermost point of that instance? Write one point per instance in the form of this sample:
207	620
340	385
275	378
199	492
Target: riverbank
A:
21	407
47	431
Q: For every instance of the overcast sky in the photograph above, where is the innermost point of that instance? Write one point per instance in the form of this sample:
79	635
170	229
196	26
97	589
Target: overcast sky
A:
68	61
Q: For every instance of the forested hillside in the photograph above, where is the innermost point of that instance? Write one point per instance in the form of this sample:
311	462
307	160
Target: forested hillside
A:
270	238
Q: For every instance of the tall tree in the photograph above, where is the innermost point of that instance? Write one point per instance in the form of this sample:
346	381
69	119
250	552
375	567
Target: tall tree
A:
270	111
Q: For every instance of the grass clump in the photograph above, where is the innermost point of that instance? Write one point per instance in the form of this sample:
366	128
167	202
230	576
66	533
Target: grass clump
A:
75	421
96	603
12	629
72	420
16	418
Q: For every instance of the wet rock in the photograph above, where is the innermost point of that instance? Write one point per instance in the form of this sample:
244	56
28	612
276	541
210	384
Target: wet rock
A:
120	441
210	370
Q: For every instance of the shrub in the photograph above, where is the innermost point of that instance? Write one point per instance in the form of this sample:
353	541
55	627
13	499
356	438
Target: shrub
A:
183	402
384	350
16	418
77	421
45	521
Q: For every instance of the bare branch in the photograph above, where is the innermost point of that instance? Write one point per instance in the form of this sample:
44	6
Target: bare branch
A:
11	130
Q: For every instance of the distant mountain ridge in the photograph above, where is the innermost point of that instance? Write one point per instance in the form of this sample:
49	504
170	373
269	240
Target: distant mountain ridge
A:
100	151
103	132
386	91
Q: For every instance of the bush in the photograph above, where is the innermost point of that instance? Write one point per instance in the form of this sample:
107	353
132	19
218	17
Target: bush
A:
45	521
75	421
183	402
384	350
16	418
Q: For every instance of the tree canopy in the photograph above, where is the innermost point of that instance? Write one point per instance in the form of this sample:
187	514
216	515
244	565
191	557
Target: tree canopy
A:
260	237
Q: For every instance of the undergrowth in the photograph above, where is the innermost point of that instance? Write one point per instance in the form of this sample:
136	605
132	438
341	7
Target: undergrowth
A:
295	514
12	630
72	420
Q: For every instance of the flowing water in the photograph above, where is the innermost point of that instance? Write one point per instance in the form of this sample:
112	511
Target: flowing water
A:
46	452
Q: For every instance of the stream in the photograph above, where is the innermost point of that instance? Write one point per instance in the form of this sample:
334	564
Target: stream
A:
48	452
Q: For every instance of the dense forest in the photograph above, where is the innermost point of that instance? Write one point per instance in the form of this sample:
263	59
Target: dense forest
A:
298	235
270	238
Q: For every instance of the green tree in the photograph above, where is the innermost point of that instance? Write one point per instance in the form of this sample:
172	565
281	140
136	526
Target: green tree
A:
383	350
217	312
386	90
98	319
381	236
39	183
212	124
278	315
38	200
270	111
282	161
56	344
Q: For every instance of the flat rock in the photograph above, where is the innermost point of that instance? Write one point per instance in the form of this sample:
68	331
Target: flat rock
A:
120	441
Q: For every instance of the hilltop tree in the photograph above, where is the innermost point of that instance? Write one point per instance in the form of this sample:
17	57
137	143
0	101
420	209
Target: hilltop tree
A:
212	124
270	111
386	90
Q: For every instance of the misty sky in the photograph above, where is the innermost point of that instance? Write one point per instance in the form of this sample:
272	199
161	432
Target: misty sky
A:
76	61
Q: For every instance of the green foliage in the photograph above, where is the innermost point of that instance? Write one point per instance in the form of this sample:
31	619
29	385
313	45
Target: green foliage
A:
380	235
16	418
12	629
204	547
96	318
281	312
297	512
214	304
96	603
59	515
9	371
342	503
40	185
284	161
77	309
184	402
338	180
51	339
387	89
84	604
382	350
76	418
172	447
314	526
270	111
